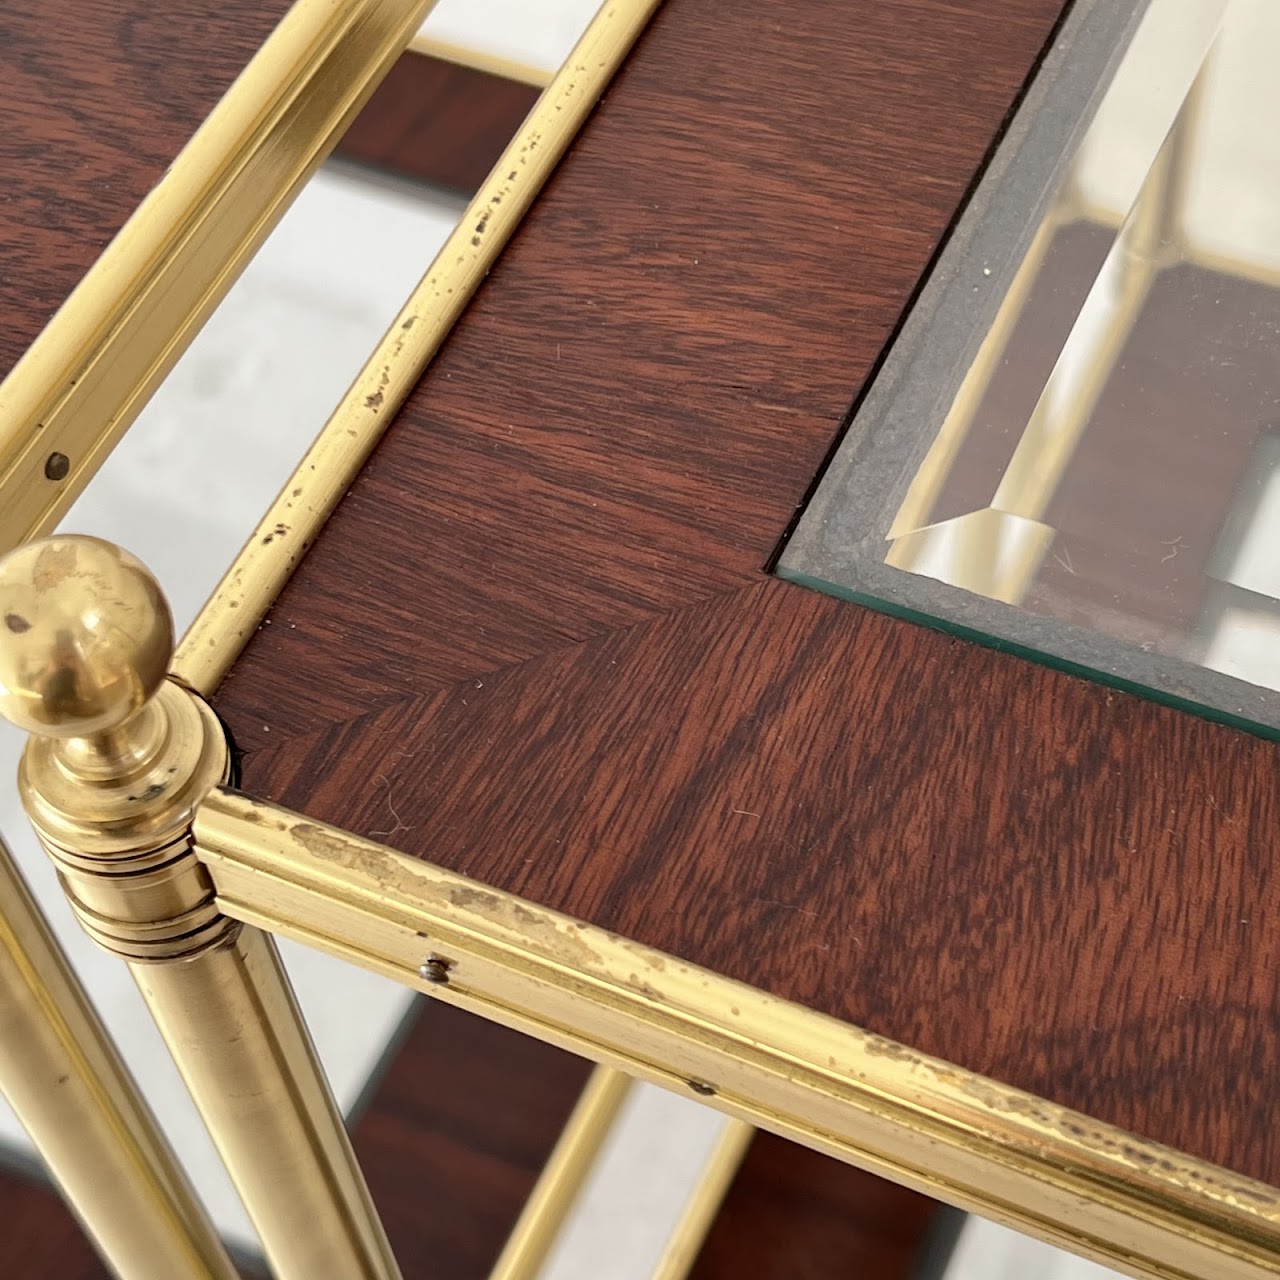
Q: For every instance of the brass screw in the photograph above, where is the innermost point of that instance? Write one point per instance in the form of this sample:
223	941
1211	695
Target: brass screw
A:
435	969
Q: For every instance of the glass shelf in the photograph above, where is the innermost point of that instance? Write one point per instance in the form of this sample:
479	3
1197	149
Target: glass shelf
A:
1073	450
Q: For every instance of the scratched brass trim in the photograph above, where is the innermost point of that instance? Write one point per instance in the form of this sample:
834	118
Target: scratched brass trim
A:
89	373
258	574
1131	1204
492	64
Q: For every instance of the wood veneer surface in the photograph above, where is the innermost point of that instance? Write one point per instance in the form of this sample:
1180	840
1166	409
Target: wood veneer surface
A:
536	645
96	98
455	1135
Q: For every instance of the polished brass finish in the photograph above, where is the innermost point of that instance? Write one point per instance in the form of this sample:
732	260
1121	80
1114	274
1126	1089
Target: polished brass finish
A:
685	1242
238	1037
67	1085
259	572
110	658
492	64
951	1133
114	811
84	380
562	1178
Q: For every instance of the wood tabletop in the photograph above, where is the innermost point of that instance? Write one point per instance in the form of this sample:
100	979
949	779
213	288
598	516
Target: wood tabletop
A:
538	643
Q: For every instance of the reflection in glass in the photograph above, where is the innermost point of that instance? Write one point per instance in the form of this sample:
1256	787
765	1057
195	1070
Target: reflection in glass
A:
1109	456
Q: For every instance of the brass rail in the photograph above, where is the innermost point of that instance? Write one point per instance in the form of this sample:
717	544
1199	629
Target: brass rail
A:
257	575
1083	1185
74	393
563	1176
492	64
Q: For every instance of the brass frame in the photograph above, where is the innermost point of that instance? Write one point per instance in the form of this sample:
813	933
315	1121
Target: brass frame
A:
562	1178
947	1131
715	1179
86	377
81	1108
258	574
492	64
1129	1203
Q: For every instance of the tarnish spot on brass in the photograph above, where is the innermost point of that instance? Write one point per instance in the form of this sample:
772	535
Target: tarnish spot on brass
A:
318	841
569	947
646	989
480	899
389	873
54	565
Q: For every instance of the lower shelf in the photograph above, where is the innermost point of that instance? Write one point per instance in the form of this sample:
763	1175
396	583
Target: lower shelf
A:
452	1140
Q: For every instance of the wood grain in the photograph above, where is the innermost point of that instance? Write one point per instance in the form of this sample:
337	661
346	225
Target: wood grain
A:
436	122
456	1135
536	645
96	98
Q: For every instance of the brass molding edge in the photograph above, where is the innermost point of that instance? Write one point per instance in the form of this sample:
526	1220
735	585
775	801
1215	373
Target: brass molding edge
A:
258	574
86	377
1121	1200
492	64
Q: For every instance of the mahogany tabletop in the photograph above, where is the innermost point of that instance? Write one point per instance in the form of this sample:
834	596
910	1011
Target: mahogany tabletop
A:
539	642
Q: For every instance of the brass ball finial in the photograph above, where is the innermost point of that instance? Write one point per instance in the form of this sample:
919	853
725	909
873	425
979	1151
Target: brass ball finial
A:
85	636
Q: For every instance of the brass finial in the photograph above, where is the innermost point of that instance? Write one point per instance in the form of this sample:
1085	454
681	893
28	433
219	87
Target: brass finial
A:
85	637
119	755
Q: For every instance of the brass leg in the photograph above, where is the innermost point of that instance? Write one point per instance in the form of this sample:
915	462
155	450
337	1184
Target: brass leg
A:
231	1022
65	1081
119	760
717	1176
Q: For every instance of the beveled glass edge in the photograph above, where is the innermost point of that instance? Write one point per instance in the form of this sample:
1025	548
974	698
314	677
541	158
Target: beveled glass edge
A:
838	546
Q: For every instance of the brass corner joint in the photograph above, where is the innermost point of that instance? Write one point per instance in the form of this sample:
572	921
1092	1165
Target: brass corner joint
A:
120	758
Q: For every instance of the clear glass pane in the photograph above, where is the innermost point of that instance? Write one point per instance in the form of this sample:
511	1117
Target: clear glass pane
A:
1094	477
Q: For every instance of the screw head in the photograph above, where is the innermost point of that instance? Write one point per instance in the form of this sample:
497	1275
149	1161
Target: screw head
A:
85	636
434	969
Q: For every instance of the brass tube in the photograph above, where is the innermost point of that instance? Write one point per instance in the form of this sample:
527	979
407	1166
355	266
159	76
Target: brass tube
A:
82	1110
292	523
119	758
562	1177
231	1022
87	376
685	1242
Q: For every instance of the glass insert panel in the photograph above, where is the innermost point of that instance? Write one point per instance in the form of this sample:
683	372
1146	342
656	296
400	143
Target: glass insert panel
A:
1074	448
